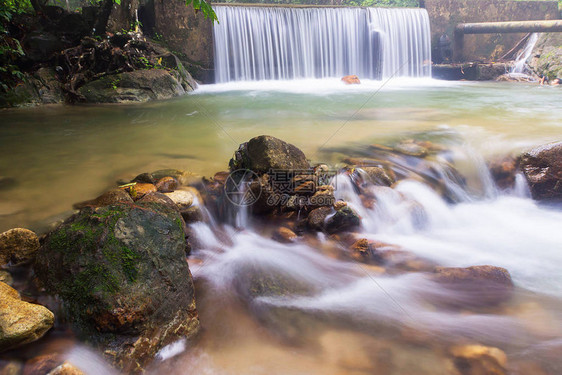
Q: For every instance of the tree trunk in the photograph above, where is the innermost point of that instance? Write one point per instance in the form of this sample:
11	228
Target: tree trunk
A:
100	26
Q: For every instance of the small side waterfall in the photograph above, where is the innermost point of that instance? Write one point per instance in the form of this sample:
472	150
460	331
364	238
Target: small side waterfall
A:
524	54
259	43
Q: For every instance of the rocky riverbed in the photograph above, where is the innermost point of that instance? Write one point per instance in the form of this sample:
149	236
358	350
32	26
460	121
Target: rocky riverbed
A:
114	275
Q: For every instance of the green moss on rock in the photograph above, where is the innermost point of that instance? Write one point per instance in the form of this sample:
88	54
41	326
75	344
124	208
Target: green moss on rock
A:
123	278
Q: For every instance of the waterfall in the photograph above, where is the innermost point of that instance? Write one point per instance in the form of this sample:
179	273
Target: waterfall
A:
277	43
524	54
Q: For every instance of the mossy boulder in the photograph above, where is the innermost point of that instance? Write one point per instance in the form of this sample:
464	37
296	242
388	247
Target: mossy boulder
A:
136	86
546	58
123	278
264	153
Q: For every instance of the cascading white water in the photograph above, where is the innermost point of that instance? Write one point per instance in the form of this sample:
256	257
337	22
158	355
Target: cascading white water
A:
524	54
253	43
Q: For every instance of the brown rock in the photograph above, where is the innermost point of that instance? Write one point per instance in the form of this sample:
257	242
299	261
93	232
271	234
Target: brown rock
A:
66	369
42	365
284	235
18	245
477	285
362	251
113	196
140	189
380	175
167	184
21	322
542	167
339	205
503	171
317	217
351	80
182	198
158	198
479	360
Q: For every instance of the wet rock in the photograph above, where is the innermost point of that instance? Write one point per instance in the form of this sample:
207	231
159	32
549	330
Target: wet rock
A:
18	245
503	171
139	190
509	77
339	205
66	369
21	322
411	148
123	278
182	198
479	360
380	175
323	196
145	178
183	177
400	260
159	198
317	218
542	167
364	252
476	286
113	196
264	153
135	86
167	184
343	220
351	80
284	235
42	365
193	214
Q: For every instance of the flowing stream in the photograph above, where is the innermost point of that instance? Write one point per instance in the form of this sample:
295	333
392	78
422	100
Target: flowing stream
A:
344	317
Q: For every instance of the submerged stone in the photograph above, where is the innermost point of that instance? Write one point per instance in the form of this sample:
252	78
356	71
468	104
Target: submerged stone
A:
123	278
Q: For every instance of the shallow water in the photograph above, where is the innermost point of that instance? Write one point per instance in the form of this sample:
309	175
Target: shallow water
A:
352	319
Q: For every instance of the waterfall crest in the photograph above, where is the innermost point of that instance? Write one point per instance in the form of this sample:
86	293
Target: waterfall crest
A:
274	43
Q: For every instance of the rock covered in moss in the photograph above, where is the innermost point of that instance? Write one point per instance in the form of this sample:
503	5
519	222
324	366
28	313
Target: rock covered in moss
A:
135	86
263	153
123	278
21	322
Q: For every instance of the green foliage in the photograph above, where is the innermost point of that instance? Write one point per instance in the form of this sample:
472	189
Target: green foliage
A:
10	48
203	6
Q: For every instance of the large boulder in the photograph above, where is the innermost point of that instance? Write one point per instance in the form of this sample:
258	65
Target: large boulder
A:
136	86
21	322
123	278
542	167
264	153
